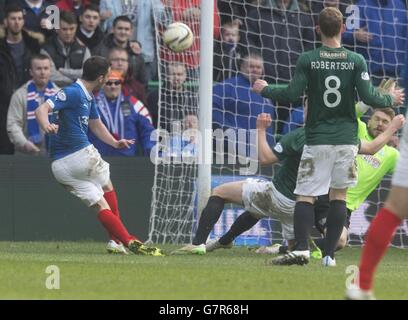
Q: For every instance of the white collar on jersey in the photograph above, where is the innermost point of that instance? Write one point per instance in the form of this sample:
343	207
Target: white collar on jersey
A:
81	84
34	5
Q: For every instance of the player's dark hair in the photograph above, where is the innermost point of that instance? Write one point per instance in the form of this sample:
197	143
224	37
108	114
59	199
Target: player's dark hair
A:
388	111
91	7
68	17
123	19
39	56
95	67
330	21
12	8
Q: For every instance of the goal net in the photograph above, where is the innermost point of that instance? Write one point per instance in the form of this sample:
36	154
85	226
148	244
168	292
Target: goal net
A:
279	37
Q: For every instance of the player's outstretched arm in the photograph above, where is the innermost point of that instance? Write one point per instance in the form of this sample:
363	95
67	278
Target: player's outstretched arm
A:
100	131
265	154
41	113
372	147
290	93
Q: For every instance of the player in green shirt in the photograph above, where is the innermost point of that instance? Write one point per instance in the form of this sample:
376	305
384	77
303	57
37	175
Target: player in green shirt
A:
329	75
264	198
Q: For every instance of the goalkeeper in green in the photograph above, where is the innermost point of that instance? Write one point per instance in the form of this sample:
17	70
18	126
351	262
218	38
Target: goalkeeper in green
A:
371	169
330	75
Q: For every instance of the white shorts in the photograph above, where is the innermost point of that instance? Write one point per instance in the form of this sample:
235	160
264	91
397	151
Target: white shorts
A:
400	177
326	166
83	173
263	200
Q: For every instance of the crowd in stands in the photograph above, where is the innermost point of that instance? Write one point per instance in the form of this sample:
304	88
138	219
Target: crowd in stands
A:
252	39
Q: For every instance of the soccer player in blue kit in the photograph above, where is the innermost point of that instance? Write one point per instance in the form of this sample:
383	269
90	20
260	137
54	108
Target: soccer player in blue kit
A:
76	164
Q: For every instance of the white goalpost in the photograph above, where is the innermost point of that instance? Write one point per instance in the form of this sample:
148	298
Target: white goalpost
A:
205	105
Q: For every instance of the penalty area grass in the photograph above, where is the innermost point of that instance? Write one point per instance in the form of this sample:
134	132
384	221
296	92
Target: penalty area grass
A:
87	271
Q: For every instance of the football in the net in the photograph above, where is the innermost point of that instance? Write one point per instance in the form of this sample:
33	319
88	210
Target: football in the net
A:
178	37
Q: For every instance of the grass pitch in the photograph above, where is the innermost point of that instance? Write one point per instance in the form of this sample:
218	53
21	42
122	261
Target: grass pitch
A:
88	272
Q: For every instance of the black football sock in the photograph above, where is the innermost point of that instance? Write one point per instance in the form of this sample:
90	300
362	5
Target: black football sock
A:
243	223
283	249
320	243
303	220
209	217
335	223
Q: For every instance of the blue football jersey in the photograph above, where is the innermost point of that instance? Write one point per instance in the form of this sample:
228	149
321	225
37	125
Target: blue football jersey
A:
73	106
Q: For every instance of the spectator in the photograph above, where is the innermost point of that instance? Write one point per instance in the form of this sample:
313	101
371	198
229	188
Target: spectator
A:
125	117
119	60
184	144
75	6
141	14
227	52
283	31
189	13
235	105
122	33
89	32
67	54
177	100
2	10
110	10
316	6
35	15
233	11
381	38
18	43
8	83
22	127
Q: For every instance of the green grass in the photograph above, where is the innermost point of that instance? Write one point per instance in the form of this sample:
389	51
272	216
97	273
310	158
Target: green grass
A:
87	272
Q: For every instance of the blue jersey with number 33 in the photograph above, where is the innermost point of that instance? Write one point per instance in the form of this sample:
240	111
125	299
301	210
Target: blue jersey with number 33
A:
74	107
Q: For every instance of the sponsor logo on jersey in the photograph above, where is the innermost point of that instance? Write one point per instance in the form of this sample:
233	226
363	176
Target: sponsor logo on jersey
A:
84	120
278	148
372	161
61	96
125	107
333	55
365	76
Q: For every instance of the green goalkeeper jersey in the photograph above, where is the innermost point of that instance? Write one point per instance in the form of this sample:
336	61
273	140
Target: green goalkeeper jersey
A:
371	170
330	77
